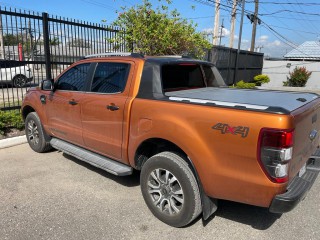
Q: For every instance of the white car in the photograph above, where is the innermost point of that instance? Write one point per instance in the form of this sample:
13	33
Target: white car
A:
14	73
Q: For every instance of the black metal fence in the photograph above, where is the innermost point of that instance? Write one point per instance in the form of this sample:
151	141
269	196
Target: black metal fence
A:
41	46
250	64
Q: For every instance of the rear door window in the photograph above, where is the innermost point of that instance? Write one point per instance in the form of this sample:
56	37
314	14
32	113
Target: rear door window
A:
110	77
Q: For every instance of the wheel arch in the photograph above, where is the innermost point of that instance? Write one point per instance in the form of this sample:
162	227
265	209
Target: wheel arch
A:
152	146
26	110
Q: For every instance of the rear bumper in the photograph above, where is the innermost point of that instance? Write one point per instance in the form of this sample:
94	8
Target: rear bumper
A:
297	189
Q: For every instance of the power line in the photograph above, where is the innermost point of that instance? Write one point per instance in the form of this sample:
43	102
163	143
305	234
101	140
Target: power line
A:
99	4
295	30
300	17
280	36
314	26
284	39
290	11
289	3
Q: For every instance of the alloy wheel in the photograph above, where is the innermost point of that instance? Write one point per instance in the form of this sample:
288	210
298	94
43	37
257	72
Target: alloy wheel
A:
165	191
33	133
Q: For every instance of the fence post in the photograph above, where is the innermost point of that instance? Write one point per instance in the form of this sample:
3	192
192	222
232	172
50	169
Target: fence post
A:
46	42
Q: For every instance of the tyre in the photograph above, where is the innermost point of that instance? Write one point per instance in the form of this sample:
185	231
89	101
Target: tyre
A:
38	140
19	81
170	189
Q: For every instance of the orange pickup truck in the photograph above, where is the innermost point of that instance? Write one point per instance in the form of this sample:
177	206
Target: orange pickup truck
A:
193	139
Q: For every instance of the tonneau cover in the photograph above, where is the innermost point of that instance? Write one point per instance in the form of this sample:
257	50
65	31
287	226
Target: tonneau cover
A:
277	101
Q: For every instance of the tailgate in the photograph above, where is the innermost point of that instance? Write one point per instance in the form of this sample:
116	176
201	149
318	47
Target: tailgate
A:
306	135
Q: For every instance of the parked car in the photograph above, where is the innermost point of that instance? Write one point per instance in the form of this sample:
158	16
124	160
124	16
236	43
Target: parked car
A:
193	139
15	73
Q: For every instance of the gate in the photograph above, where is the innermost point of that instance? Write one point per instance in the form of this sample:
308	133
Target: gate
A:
37	46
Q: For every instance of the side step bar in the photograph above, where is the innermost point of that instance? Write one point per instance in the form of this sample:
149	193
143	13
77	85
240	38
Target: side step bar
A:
316	155
94	159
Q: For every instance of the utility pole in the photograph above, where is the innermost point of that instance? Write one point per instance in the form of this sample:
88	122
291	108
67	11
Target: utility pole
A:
2	56
31	40
221	29
216	23
254	26
239	43
233	22
28	32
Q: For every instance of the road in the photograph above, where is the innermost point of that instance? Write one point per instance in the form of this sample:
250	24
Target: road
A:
54	196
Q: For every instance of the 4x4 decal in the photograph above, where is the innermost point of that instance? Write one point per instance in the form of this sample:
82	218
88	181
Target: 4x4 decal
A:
225	128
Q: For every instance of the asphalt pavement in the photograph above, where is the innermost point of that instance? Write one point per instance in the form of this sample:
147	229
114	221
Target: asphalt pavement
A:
54	196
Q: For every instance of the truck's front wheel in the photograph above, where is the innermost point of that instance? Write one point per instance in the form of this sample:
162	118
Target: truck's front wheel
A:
170	189
38	140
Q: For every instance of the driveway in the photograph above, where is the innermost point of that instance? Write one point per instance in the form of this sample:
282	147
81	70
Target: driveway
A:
54	196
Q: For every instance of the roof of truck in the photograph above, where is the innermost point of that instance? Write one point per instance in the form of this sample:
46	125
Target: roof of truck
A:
158	59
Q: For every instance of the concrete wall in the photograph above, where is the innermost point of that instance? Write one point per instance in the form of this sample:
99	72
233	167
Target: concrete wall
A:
278	72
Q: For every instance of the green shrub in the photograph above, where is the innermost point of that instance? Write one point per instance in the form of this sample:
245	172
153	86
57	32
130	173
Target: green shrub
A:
242	84
10	119
298	78
157	31
261	79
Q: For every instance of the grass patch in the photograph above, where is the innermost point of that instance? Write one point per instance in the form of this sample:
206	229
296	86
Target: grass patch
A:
10	119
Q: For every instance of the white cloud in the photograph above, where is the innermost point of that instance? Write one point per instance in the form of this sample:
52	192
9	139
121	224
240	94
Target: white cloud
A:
225	32
276	43
263	38
268	46
208	30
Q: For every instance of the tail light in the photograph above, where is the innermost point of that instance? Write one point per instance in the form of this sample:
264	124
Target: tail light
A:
275	153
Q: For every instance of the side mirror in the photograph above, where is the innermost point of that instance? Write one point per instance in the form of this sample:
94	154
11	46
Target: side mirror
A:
47	85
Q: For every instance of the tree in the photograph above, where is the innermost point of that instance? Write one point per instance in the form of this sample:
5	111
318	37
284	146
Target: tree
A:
16	39
54	42
157	32
11	39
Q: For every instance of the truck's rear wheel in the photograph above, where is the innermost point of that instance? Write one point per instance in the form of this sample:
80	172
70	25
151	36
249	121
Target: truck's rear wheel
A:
170	189
38	140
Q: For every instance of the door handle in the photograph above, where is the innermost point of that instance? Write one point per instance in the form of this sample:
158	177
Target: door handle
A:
73	102
112	107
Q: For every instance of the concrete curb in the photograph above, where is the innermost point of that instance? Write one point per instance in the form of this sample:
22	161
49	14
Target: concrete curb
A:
14	141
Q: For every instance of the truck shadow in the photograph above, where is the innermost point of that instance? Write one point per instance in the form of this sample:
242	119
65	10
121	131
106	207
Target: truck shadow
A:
128	181
257	217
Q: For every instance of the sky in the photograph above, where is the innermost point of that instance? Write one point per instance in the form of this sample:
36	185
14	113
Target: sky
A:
284	23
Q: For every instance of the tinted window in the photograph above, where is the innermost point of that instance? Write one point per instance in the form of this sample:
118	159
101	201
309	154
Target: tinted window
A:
181	76
110	77
74	79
